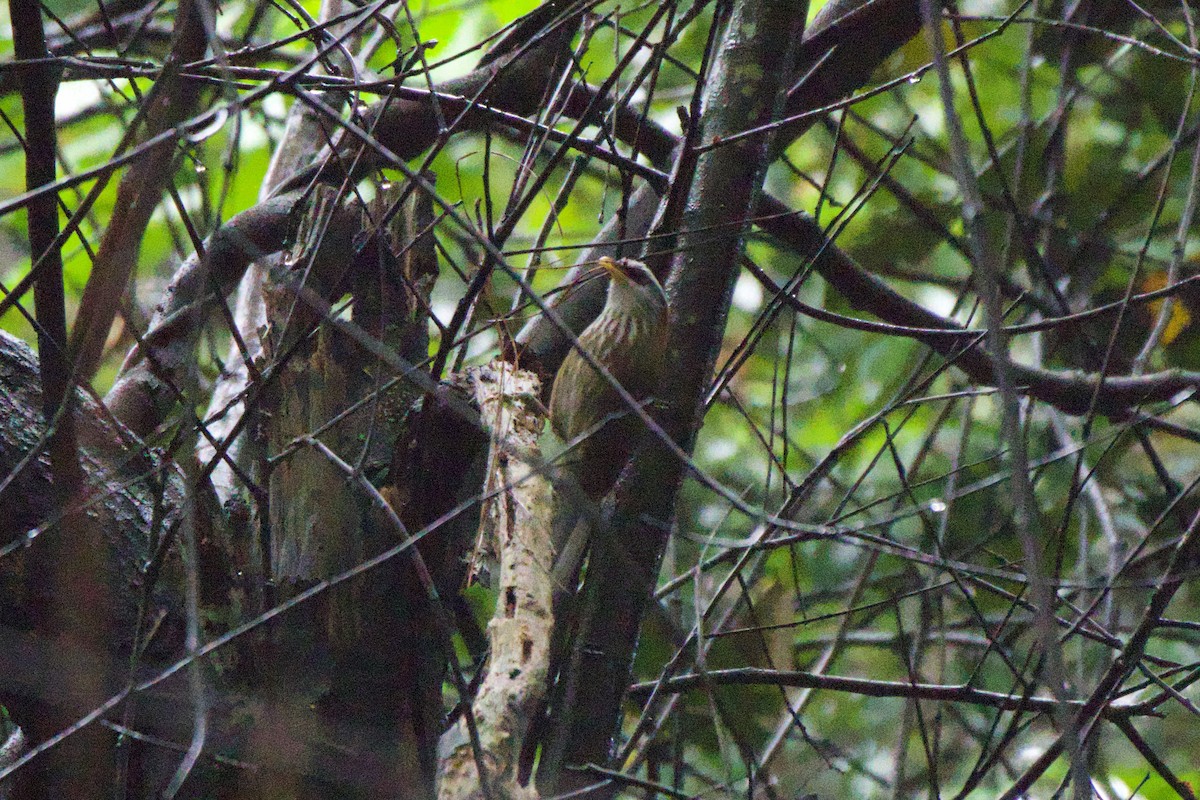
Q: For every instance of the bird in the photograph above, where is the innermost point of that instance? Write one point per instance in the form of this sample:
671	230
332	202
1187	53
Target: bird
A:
629	338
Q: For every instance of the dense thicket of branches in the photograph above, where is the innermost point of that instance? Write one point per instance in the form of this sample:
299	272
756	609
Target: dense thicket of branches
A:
915	509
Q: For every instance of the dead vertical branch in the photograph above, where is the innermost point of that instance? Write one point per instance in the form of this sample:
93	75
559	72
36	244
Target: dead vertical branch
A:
517	520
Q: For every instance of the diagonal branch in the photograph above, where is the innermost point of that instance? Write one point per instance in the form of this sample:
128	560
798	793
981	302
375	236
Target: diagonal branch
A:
169	102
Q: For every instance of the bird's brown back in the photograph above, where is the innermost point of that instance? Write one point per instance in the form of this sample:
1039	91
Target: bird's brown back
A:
581	398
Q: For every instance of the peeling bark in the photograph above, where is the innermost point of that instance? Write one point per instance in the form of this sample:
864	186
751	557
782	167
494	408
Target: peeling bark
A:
516	518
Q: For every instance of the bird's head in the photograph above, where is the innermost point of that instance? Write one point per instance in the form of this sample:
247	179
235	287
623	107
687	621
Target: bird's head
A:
632	285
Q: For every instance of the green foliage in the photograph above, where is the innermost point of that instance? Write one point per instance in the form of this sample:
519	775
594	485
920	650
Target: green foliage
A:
917	575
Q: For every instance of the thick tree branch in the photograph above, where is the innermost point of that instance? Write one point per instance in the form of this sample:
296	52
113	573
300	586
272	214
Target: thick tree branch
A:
755	55
1068	391
513	76
124	483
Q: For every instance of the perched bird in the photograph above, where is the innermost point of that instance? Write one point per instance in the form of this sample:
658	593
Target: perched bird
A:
629	338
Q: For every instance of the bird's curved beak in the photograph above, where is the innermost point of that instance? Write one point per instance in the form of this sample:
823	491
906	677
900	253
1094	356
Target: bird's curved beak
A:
611	267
